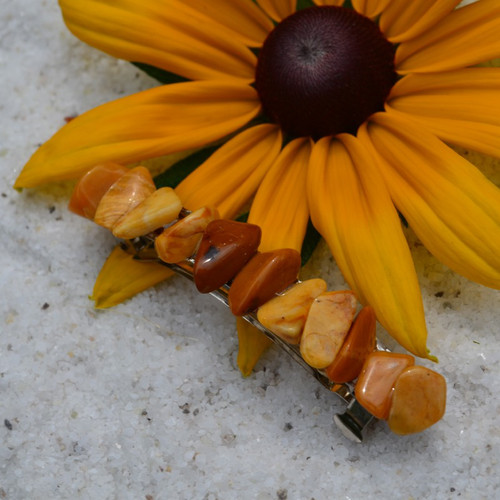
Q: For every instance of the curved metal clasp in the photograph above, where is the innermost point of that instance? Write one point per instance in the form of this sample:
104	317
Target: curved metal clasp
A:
352	423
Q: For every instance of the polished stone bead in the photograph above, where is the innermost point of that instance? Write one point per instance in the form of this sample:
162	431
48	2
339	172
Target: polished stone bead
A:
225	248
359	343
156	211
375	384
125	194
262	277
92	186
327	325
285	315
418	401
179	241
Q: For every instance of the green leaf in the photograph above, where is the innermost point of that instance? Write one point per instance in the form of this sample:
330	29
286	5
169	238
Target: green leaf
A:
311	240
402	219
304	4
180	170
160	74
242	217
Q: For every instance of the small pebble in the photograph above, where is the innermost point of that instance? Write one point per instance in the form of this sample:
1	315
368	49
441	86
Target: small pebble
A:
226	246
262	277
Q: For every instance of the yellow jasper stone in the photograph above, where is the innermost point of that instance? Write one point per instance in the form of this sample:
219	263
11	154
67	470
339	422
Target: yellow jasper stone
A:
178	242
126	193
286	314
159	209
327	325
418	400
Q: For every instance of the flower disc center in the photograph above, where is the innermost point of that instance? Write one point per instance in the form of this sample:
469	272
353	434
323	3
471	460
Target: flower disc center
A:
323	71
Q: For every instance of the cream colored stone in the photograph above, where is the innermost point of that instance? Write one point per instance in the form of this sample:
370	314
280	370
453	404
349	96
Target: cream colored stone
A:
158	210
328	322
125	194
178	242
285	315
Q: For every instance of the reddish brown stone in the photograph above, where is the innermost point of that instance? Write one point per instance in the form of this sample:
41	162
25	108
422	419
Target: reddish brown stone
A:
225	248
263	276
359	343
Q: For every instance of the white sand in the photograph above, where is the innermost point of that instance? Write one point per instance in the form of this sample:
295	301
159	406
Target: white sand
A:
144	401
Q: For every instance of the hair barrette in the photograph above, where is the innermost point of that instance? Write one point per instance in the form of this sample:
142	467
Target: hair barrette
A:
322	330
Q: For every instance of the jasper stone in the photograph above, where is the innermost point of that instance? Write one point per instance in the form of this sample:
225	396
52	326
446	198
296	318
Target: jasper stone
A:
419	400
359	343
327	325
92	187
225	248
125	194
179	241
157	210
262	277
376	381
285	315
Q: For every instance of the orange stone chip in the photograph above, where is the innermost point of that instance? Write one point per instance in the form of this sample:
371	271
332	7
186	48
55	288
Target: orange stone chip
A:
264	275
92	187
327	325
375	384
419	400
359	343
124	195
286	314
179	242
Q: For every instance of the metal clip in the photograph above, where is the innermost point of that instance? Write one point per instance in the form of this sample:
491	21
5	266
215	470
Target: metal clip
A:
352	423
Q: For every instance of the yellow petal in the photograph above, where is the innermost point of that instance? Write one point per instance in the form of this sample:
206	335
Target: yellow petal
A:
352	209
451	206
403	19
152	123
370	8
122	277
277	9
232	174
280	205
461	107
168	34
252	344
467	36
480	137
336	3
244	19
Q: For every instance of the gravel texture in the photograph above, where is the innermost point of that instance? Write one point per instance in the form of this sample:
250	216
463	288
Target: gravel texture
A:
144	401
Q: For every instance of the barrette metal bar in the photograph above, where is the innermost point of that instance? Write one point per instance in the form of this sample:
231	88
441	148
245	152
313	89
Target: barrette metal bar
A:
355	419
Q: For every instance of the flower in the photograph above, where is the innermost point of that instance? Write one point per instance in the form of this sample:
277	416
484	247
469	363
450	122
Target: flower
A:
367	96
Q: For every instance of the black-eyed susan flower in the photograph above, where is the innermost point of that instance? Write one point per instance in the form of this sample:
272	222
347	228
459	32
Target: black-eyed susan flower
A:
338	112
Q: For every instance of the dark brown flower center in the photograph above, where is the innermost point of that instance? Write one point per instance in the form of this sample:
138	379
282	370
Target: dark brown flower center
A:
323	71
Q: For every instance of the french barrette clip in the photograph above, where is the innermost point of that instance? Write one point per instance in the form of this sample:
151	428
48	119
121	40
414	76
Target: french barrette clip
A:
321	330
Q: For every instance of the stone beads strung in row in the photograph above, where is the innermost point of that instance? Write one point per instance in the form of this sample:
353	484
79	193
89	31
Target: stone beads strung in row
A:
323	323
